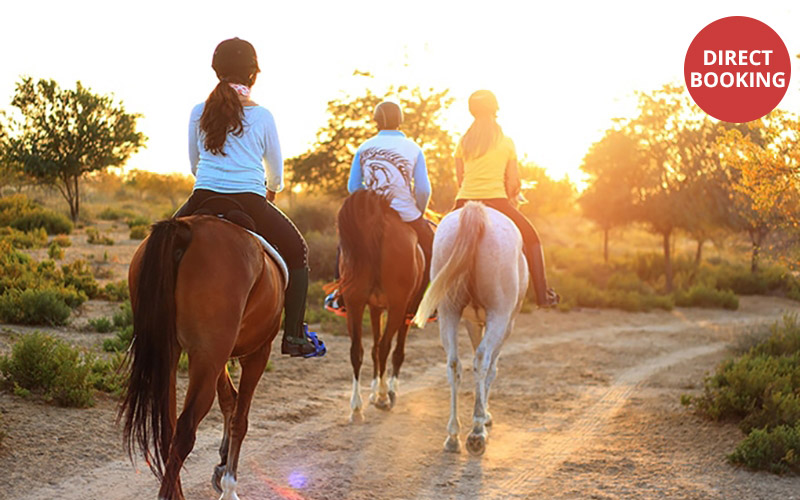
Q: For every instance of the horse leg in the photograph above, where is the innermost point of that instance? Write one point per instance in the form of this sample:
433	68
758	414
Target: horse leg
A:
355	311
226	394
475	336
253	366
395	319
398	356
448	331
375	315
203	374
492	373
485	355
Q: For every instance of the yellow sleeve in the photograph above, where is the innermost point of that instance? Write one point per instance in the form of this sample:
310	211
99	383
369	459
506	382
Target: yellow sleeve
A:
512	151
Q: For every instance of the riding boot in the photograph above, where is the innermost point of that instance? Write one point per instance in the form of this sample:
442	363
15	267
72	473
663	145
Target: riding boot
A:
297	340
545	297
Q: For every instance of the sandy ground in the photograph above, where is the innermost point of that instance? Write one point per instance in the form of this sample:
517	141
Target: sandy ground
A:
585	405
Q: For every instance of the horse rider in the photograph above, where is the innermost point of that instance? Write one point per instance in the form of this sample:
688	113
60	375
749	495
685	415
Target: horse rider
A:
231	138
394	166
487	172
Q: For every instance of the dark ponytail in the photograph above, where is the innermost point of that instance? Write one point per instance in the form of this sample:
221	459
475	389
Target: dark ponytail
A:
234	61
222	114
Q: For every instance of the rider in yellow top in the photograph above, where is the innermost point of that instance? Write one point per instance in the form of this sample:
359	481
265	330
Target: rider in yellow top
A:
487	171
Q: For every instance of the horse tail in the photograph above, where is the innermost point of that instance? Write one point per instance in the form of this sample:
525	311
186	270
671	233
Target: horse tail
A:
146	406
361	223
452	277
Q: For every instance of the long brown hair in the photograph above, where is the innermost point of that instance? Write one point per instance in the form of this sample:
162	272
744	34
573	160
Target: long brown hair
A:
484	131
234	61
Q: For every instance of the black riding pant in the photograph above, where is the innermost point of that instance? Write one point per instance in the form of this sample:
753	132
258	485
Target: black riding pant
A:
270	222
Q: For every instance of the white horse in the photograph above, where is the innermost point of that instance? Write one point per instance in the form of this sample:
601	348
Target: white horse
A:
478	271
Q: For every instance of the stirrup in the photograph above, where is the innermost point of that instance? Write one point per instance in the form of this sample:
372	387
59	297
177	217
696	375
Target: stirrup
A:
433	317
333	303
552	298
313	348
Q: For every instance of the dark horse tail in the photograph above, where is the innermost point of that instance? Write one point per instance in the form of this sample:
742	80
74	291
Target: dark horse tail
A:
361	225
146	407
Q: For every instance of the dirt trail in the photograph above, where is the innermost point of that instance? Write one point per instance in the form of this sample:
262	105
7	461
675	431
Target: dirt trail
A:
586	405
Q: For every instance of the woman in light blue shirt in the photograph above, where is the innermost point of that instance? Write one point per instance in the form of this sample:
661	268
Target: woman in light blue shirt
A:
231	139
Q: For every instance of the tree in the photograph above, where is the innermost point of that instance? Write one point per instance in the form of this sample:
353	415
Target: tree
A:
66	133
767	186
544	194
325	167
612	164
175	188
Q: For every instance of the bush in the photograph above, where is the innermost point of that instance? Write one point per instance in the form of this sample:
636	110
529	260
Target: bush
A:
52	222
101	325
761	390
776	450
138	220
62	240
704	296
120	342
110	376
322	255
50	367
139	232
112	213
116	291
36	307
36	238
78	275
95	238
55	252
314	214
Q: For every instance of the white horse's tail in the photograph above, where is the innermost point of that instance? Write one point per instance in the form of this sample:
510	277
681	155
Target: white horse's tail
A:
453	276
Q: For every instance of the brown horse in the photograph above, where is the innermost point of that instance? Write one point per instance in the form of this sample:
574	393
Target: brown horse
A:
204	286
381	267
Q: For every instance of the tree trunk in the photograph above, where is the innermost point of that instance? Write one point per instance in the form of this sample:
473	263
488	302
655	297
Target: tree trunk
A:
605	245
667	261
699	255
756	237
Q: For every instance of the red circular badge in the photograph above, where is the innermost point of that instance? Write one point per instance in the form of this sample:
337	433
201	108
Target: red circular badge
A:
737	69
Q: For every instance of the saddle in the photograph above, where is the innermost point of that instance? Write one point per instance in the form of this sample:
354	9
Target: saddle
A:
232	211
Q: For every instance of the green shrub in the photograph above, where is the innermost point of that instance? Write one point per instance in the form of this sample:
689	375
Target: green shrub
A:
116	291
36	238
55	252
101	325
50	367
62	240
78	275
35	306
138	220
112	213
52	222
95	238
120	342
314	214
776	450
761	390
704	296
110	375
139	232
123	317
322	255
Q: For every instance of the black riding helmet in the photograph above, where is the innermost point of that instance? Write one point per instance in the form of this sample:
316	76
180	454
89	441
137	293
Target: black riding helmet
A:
235	60
388	115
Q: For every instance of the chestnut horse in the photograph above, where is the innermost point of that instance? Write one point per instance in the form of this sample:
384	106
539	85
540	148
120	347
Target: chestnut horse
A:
479	272
381	267
204	286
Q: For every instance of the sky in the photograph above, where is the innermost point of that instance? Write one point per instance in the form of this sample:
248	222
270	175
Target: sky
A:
562	71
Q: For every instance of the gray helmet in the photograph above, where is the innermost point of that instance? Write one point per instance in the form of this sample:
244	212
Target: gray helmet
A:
388	115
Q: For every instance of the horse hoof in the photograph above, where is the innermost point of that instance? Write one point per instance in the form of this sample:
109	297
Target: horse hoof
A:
489	421
392	398
216	478
476	444
383	403
452	444
356	417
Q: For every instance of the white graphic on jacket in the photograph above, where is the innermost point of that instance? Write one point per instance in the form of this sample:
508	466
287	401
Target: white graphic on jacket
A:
385	171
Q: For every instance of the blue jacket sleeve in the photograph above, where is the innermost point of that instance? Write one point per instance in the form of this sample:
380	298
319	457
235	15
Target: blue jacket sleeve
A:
356	181
422	185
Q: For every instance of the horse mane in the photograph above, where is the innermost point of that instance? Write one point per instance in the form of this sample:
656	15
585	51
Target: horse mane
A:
361	223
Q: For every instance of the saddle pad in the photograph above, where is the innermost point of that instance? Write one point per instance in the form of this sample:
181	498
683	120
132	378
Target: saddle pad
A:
274	255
